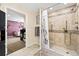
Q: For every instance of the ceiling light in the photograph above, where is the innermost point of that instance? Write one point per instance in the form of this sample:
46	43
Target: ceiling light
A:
50	8
65	3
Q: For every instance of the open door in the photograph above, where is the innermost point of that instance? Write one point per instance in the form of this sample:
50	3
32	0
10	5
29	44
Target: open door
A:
2	33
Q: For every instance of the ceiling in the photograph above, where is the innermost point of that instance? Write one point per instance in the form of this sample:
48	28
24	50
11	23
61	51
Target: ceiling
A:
60	6
31	6
36	6
15	16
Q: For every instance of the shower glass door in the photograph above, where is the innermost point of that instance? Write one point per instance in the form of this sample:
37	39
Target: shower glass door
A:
63	37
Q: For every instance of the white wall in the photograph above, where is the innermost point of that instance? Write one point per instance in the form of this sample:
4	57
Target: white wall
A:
31	29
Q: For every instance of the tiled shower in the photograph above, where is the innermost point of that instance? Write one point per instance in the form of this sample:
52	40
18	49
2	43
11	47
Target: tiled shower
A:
61	32
64	30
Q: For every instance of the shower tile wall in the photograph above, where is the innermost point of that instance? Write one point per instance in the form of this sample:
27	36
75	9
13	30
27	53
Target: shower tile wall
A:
62	39
78	30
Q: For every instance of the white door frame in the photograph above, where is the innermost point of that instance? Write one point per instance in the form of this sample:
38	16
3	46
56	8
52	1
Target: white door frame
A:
20	12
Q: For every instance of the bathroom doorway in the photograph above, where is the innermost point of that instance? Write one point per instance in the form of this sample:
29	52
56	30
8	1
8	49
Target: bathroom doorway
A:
16	32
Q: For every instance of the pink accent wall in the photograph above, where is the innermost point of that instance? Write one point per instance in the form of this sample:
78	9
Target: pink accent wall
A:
12	27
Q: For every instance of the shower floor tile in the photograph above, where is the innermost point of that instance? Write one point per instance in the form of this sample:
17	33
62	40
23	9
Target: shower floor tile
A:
46	52
63	51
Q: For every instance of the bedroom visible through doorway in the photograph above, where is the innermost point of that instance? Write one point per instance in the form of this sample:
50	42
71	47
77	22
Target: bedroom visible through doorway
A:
15	31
